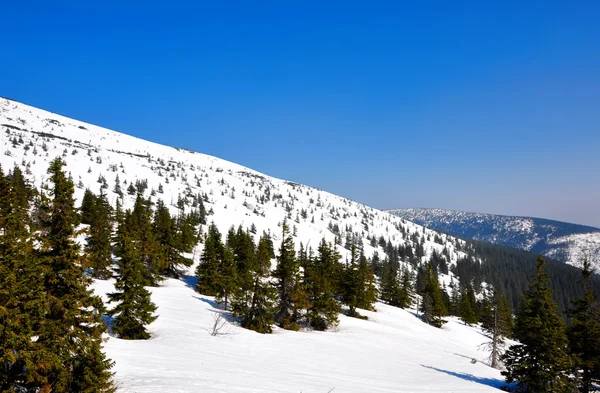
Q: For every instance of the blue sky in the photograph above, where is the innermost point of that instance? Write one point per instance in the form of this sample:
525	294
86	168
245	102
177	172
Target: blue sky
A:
479	106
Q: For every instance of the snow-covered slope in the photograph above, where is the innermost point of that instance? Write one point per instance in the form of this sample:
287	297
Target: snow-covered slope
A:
392	351
559	240
237	195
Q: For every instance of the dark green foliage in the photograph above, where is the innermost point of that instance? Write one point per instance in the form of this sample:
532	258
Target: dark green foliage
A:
208	269
145	239
287	284
468	305
357	287
540	362
255	307
226	278
508	269
98	247
173	236
71	330
433	307
22	300
584	335
396	291
87	208
320	282
134	309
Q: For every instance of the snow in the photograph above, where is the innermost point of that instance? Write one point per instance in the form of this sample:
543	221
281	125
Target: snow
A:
392	351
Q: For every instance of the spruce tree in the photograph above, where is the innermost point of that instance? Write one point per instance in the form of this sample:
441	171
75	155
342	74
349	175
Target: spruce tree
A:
88	204
134	309
358	288
584	335
207	271
433	308
99	247
391	291
540	362
226	278
320	283
406	288
287	283
71	331
22	300
145	240
258	313
468	305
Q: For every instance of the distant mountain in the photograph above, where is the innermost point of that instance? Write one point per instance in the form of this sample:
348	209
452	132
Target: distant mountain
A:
560	240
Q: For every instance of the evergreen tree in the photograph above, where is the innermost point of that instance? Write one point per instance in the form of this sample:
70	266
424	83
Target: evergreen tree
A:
145	240
391	291
358	288
22	301
71	331
88	207
208	269
468	305
98	247
287	283
134	309
369	292
406	289
433	308
539	363
258	313
584	335
226	278
320	283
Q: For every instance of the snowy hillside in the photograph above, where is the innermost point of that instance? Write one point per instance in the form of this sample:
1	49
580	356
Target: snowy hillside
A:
392	351
237	195
559	240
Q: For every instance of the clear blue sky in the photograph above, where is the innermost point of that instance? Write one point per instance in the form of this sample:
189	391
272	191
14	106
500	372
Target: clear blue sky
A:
479	106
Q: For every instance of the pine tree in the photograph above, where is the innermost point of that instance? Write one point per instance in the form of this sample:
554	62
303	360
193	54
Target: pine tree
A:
134	309
99	247
406	289
433	308
258	313
391	291
145	240
207	270
584	335
22	301
71	331
539	363
287	283
369	292
226	278
358	288
468	305
320	283
88	204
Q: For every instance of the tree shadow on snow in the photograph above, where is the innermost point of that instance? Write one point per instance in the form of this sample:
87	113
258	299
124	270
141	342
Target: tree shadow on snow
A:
210	302
492	382
189	280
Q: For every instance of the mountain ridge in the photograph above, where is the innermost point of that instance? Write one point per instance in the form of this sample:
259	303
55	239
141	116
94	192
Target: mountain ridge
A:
561	240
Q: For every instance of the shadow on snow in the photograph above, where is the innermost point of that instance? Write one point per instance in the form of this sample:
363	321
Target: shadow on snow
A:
493	382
